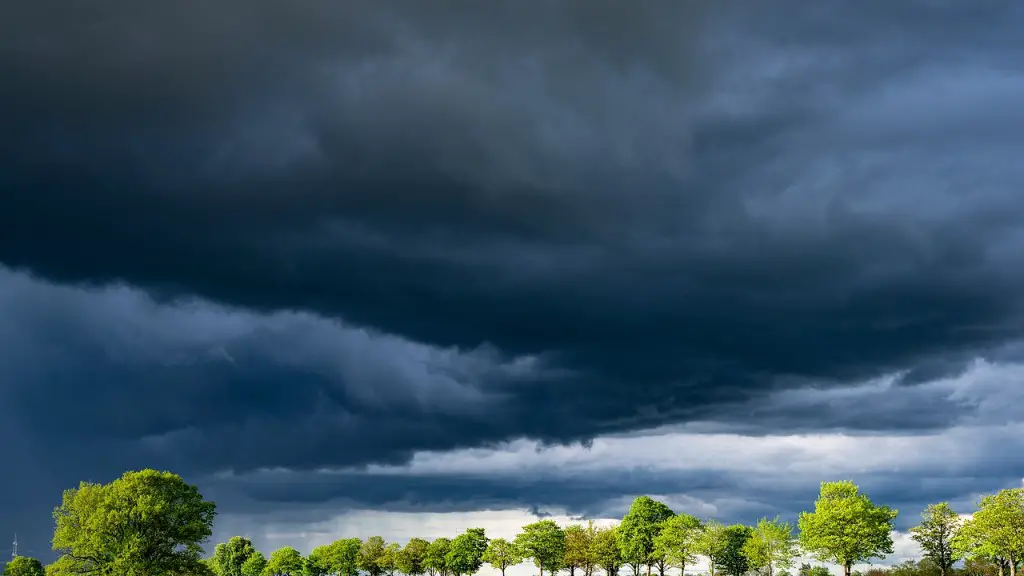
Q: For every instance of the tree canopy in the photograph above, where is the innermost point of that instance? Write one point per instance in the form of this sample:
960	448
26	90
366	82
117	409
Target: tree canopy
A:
502	554
145	522
544	542
846	527
936	535
638	529
771	546
24	566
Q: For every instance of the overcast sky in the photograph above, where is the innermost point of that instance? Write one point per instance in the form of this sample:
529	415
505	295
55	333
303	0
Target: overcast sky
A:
402	268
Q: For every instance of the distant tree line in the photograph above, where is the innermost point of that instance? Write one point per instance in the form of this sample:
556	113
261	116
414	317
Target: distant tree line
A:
151	523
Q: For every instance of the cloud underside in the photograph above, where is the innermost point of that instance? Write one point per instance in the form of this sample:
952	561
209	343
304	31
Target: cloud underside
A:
333	236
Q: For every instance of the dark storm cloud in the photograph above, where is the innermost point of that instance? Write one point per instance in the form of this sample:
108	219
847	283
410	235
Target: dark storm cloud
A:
622	216
672	201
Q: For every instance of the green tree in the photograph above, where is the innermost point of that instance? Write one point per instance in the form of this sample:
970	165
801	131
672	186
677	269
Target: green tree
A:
24	566
997	529
370	554
936	534
465	556
772	545
390	559
411	559
606	551
676	540
544	542
502	555
846	527
254	565
228	557
711	543
335	559
577	548
434	562
733	561
638	529
144	522
285	561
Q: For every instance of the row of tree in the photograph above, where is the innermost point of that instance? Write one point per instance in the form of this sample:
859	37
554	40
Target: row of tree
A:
153	523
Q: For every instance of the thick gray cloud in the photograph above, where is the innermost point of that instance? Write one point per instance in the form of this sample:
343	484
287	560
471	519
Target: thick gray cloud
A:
368	229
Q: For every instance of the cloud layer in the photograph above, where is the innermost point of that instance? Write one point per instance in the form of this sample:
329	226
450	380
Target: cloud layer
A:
375	238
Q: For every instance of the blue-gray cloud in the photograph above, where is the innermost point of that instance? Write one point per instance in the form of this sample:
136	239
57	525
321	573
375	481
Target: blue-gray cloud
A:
343	233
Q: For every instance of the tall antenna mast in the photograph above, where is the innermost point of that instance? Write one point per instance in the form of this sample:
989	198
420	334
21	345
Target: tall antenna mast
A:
14	552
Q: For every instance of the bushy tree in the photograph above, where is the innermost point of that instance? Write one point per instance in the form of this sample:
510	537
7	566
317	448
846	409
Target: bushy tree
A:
339	558
24	566
544	542
411	559
936	534
846	527
285	561
228	557
606	551
145	522
434	562
676	541
638	529
502	555
733	561
771	546
465	556
254	565
370	554
390	559
578	555
711	544
997	529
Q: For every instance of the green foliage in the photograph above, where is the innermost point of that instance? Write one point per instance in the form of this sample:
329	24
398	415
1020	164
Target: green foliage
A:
502	554
24	566
145	522
466	553
434	562
544	542
639	528
711	543
676	541
285	561
606	551
733	561
771	546
254	565
337	558
370	554
846	527
996	531
578	555
936	534
410	561
390	558
228	557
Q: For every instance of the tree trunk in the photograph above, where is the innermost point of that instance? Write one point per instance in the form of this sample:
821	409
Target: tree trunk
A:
572	571
711	565
769	568
846	568
1013	566
682	569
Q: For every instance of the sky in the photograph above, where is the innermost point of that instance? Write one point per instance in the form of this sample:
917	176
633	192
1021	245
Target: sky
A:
399	268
